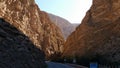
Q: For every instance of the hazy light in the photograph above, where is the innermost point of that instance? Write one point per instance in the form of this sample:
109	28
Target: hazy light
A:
71	10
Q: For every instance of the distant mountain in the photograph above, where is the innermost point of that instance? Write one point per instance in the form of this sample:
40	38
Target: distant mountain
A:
66	27
97	38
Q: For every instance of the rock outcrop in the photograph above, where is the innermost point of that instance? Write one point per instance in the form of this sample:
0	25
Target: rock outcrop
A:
16	50
66	27
33	23
53	40
98	36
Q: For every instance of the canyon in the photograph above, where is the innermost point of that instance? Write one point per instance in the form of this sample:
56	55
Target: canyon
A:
29	34
97	38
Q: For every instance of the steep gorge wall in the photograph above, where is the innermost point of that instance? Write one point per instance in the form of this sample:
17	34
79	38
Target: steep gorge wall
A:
98	36
26	17
16	50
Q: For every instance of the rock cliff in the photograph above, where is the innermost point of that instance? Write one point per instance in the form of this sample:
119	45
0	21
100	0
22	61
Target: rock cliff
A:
98	36
16	50
66	27
53	41
26	17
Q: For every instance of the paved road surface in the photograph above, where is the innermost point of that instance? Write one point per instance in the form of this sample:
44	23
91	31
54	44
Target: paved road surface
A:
57	65
76	66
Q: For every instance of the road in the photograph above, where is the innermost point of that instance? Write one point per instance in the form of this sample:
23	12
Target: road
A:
57	65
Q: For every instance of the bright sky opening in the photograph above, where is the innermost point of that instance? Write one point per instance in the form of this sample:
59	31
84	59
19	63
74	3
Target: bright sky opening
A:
71	10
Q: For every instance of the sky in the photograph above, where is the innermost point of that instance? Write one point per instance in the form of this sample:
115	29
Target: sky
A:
71	10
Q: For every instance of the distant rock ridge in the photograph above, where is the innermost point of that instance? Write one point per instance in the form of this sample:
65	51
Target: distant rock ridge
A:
66	27
25	16
98	36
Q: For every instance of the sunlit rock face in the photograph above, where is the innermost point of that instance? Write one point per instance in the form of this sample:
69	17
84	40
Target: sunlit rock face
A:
52	42
16	50
98	36
66	27
35	24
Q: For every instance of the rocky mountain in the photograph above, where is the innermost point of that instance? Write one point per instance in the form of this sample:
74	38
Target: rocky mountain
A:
66	27
16	50
98	36
26	17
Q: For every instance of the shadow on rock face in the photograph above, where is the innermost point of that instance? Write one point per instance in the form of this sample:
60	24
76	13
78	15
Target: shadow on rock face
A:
16	50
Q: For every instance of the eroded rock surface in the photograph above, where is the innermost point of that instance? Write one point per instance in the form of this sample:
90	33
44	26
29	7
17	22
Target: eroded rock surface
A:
35	24
98	36
16	50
